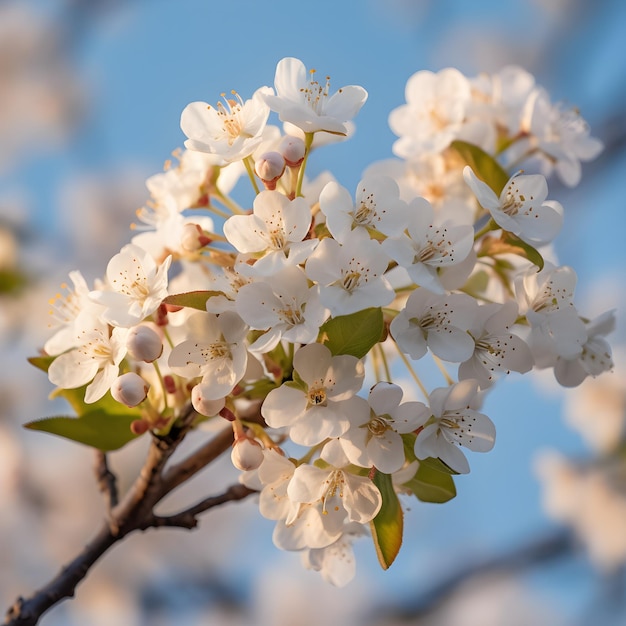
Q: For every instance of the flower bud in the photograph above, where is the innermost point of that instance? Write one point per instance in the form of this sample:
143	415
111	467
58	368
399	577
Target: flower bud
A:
269	168
247	454
144	343
129	389
193	238
292	149
204	406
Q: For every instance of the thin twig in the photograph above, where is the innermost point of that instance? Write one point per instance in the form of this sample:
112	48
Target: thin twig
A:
107	481
189	517
181	472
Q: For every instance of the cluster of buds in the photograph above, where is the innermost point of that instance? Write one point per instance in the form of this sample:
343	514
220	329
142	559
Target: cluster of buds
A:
287	318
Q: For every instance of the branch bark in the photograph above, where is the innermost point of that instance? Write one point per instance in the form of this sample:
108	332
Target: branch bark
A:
134	512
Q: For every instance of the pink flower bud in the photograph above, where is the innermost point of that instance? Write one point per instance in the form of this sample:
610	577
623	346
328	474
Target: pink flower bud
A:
269	168
292	149
246	454
144	343
193	238
129	389
204	406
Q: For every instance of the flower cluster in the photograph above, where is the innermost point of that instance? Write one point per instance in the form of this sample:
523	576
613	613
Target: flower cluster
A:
274	316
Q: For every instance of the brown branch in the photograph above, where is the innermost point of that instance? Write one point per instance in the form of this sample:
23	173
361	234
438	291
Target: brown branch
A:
107	481
181	472
189	517
134	512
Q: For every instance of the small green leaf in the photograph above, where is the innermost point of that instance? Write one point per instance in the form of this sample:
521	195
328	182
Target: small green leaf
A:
11	281
387	526
104	424
511	244
529	252
97	429
192	299
483	164
41	362
432	482
353	334
106	404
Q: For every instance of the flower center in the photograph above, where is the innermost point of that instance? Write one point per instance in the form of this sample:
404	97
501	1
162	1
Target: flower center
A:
277	239
292	316
315	93
350	280
231	116
378	425
317	396
65	307
217	350
435	249
366	213
335	484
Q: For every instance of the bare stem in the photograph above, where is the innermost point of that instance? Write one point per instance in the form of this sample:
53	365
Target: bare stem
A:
107	481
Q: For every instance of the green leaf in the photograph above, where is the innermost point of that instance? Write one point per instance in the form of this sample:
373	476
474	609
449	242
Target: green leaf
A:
192	299
528	251
388	525
97	429
41	362
11	281
104	424
483	164
354	334
432	482
511	244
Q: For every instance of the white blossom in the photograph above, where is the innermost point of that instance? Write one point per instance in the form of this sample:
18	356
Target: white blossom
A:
451	422
496	348
522	208
377	207
308	104
136	286
274	235
231	130
318	407
214	350
429	247
95	359
284	305
350	275
436	321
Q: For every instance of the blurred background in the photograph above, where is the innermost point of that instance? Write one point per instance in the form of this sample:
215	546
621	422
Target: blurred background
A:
91	93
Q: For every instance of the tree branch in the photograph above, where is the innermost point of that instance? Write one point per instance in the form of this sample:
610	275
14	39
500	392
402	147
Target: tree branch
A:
107	481
181	472
189	517
134	512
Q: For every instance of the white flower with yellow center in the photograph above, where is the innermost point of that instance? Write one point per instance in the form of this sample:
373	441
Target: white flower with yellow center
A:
374	438
215	350
522	208
428	247
273	235
496	348
453	421
136	286
285	306
438	322
350	275
231	130
308	104
94	360
434	113
377	208
317	404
